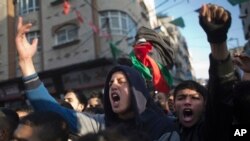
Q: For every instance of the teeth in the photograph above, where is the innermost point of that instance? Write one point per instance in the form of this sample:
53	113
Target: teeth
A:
115	97
187	112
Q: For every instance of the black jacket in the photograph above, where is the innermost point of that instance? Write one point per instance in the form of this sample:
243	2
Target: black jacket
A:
219	110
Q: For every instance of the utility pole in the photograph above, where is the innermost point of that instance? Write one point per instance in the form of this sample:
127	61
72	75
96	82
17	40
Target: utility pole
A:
11	37
95	20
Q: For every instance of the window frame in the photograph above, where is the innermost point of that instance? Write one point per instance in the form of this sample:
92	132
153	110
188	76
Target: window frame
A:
28	6
66	30
32	35
126	25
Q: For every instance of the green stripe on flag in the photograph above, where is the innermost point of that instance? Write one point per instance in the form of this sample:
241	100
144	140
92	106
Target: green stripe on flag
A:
114	50
140	67
235	2
178	22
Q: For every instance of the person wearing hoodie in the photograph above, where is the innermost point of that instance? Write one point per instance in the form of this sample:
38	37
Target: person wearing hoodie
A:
126	98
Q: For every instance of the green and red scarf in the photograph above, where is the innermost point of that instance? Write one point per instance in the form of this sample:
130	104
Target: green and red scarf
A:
151	70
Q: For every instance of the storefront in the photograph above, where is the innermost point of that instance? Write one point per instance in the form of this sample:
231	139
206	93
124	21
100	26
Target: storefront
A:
87	76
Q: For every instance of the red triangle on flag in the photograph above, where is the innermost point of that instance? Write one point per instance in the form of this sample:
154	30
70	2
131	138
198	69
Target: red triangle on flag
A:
66	7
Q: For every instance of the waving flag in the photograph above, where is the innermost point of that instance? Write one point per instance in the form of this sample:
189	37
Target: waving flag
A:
79	16
66	7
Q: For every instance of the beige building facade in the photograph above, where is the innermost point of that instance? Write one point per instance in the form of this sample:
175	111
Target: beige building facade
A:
7	29
74	49
72	54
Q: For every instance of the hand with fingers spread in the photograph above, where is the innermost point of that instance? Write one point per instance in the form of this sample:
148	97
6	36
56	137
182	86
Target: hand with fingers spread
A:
242	61
25	50
215	21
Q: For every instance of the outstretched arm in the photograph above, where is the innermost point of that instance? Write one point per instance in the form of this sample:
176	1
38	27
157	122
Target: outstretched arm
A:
215	21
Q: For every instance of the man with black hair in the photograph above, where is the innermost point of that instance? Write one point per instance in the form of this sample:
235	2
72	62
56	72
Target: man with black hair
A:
189	103
76	99
42	126
95	104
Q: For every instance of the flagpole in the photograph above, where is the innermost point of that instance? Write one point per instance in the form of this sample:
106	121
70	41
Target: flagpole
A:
95	22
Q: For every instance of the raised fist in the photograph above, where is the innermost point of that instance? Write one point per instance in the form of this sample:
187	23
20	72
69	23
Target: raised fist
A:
215	21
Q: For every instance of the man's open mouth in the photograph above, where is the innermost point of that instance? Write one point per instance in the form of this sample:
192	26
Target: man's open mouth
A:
187	113
115	97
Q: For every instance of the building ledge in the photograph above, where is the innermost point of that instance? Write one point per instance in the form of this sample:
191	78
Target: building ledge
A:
74	42
56	2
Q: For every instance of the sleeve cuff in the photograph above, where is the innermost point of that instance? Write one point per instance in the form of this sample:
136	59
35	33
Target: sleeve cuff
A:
31	81
224	69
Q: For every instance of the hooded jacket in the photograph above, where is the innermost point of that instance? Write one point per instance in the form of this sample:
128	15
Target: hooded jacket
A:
148	117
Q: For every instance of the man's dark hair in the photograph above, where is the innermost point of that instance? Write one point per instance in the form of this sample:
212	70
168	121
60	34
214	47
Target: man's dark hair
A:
51	125
190	84
80	96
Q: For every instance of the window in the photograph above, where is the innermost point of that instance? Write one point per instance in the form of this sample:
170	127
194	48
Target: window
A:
33	35
120	23
28	6
66	34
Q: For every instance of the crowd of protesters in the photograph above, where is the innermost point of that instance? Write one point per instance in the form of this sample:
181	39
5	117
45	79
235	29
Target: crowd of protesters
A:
127	111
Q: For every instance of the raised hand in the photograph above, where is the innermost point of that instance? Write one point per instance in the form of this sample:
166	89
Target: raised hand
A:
242	61
25	50
215	21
